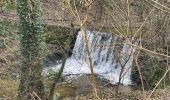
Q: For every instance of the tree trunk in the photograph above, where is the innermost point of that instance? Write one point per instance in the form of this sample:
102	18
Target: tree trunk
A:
32	43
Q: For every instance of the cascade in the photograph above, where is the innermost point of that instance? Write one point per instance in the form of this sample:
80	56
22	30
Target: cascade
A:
109	54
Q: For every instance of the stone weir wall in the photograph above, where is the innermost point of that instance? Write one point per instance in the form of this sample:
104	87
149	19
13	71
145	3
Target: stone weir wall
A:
104	15
56	37
55	12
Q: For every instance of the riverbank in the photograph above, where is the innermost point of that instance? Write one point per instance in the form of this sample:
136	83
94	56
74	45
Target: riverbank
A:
8	90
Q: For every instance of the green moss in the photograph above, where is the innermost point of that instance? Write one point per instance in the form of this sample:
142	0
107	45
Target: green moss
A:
56	34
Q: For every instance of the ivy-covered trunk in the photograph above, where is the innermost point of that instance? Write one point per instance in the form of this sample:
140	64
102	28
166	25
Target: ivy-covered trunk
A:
32	43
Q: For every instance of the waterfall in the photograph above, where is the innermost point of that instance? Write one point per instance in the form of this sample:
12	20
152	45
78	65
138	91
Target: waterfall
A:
109	54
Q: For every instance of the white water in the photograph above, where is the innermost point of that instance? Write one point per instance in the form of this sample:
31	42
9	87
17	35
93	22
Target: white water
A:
105	62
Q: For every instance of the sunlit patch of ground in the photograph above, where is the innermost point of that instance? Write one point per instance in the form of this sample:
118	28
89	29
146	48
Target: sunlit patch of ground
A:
8	89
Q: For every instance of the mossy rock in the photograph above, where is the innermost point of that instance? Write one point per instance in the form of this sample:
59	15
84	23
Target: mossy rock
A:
56	34
57	37
65	90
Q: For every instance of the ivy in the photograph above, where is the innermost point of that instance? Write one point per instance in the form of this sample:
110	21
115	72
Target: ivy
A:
8	5
30	30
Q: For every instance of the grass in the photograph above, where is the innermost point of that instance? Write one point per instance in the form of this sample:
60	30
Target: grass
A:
8	89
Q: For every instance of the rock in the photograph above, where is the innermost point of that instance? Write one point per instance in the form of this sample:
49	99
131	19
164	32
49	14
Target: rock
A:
65	90
83	83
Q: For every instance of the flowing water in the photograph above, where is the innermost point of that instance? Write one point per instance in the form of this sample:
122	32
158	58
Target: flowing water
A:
109	54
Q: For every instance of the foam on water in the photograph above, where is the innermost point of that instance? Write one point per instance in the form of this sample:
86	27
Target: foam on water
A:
107	58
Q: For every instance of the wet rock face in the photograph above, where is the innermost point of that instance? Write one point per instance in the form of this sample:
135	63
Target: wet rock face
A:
53	59
56	36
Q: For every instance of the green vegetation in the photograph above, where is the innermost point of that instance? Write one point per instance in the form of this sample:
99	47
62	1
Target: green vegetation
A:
56	35
152	71
32	49
23	37
9	5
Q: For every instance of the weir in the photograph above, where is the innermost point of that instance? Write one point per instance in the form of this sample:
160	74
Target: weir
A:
109	53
